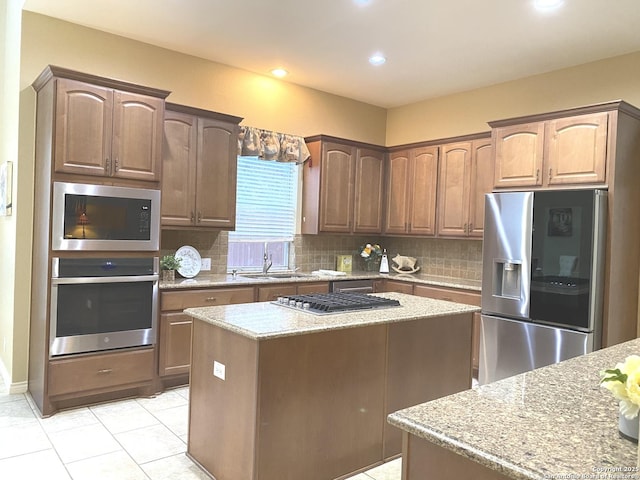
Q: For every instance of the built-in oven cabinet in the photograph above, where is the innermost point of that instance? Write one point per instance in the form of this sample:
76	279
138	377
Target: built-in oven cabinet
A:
174	339
102	127
199	166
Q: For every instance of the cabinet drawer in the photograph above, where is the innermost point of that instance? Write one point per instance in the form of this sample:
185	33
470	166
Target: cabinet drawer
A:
268	294
205	298
101	371
315	287
399	287
449	294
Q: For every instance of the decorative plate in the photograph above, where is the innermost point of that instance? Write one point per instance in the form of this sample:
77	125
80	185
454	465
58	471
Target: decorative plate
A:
190	261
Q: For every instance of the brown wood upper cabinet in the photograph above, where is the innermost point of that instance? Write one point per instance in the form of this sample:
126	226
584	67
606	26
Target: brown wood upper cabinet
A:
102	127
412	177
199	162
465	175
560	151
342	187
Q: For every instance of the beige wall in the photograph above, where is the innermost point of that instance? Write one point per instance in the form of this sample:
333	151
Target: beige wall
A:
262	101
13	317
468	112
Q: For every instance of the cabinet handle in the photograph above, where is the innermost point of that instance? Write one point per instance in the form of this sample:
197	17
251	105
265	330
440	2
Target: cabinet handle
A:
211	299
466	228
105	371
117	164
549	174
199	217
537	174
193	217
107	165
470	227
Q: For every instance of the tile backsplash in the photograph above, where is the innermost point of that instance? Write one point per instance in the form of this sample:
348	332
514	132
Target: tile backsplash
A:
445	257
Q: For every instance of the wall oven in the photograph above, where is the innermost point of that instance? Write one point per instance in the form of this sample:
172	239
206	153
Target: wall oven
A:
105	218
102	304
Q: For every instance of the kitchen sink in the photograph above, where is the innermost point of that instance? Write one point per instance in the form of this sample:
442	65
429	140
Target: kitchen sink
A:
275	275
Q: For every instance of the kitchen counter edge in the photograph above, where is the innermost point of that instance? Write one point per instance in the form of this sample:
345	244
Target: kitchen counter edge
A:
226	280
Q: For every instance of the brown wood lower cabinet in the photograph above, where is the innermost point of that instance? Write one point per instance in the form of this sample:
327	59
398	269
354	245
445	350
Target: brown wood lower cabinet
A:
449	294
82	375
314	406
174	338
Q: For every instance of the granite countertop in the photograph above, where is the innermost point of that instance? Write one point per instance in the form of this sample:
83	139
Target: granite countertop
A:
553	422
265	320
205	280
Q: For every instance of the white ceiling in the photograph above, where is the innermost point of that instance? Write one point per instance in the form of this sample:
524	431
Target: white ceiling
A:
434	47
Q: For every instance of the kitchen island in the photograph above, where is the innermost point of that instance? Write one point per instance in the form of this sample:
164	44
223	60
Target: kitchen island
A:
277	393
554	422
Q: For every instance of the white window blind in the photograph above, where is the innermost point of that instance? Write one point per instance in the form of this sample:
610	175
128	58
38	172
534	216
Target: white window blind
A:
266	199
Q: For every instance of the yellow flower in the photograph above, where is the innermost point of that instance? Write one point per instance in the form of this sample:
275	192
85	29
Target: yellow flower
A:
624	383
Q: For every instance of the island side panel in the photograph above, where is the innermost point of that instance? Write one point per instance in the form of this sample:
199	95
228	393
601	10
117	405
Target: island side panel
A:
321	403
423	459
428	359
222	413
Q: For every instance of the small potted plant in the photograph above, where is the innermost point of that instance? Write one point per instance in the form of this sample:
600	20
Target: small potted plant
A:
169	264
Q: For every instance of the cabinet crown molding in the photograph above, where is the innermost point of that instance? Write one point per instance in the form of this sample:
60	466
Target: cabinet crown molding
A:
54	71
619	105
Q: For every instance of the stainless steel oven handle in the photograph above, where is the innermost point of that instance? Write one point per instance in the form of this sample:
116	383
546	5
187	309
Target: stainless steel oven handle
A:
81	280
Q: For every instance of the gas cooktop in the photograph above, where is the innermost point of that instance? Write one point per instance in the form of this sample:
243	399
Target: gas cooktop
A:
337	302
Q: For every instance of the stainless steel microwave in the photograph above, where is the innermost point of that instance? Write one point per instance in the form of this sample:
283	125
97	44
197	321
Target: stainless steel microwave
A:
105	218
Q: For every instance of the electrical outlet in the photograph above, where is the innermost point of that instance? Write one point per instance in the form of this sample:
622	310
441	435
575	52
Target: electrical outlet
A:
205	264
219	370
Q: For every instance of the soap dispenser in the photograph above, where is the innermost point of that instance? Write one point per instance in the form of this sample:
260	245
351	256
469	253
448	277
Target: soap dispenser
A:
384	262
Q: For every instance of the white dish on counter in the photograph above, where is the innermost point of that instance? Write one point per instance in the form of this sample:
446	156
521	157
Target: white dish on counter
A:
190	261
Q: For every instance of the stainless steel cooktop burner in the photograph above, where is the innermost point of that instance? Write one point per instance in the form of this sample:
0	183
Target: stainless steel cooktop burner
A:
337	302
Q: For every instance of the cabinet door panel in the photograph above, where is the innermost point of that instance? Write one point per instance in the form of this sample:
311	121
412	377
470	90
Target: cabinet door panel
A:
453	189
368	192
577	149
175	344
424	181
216	174
137	136
397	211
337	187
84	117
179	169
519	154
481	183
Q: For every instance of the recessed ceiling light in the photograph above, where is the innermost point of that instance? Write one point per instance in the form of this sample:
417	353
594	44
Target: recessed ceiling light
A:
377	59
546	5
362	2
279	72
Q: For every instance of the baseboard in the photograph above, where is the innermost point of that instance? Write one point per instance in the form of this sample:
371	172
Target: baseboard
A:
12	387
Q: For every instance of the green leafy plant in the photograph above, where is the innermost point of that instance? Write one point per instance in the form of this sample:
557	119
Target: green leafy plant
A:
170	262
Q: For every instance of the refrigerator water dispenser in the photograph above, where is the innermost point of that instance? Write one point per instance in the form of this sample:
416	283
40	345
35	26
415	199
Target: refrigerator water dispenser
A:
506	279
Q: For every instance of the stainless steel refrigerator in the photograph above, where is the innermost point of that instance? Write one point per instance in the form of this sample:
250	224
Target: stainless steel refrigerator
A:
542	279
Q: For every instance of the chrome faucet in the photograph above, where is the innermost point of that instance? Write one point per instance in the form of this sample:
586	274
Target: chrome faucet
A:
268	260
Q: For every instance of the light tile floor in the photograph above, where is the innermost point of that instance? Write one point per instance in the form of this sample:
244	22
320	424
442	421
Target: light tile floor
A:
144	438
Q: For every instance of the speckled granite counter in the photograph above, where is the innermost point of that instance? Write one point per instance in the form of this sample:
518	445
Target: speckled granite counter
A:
543	424
205	280
266	320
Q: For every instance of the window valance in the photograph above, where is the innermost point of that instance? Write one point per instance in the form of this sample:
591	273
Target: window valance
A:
280	147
